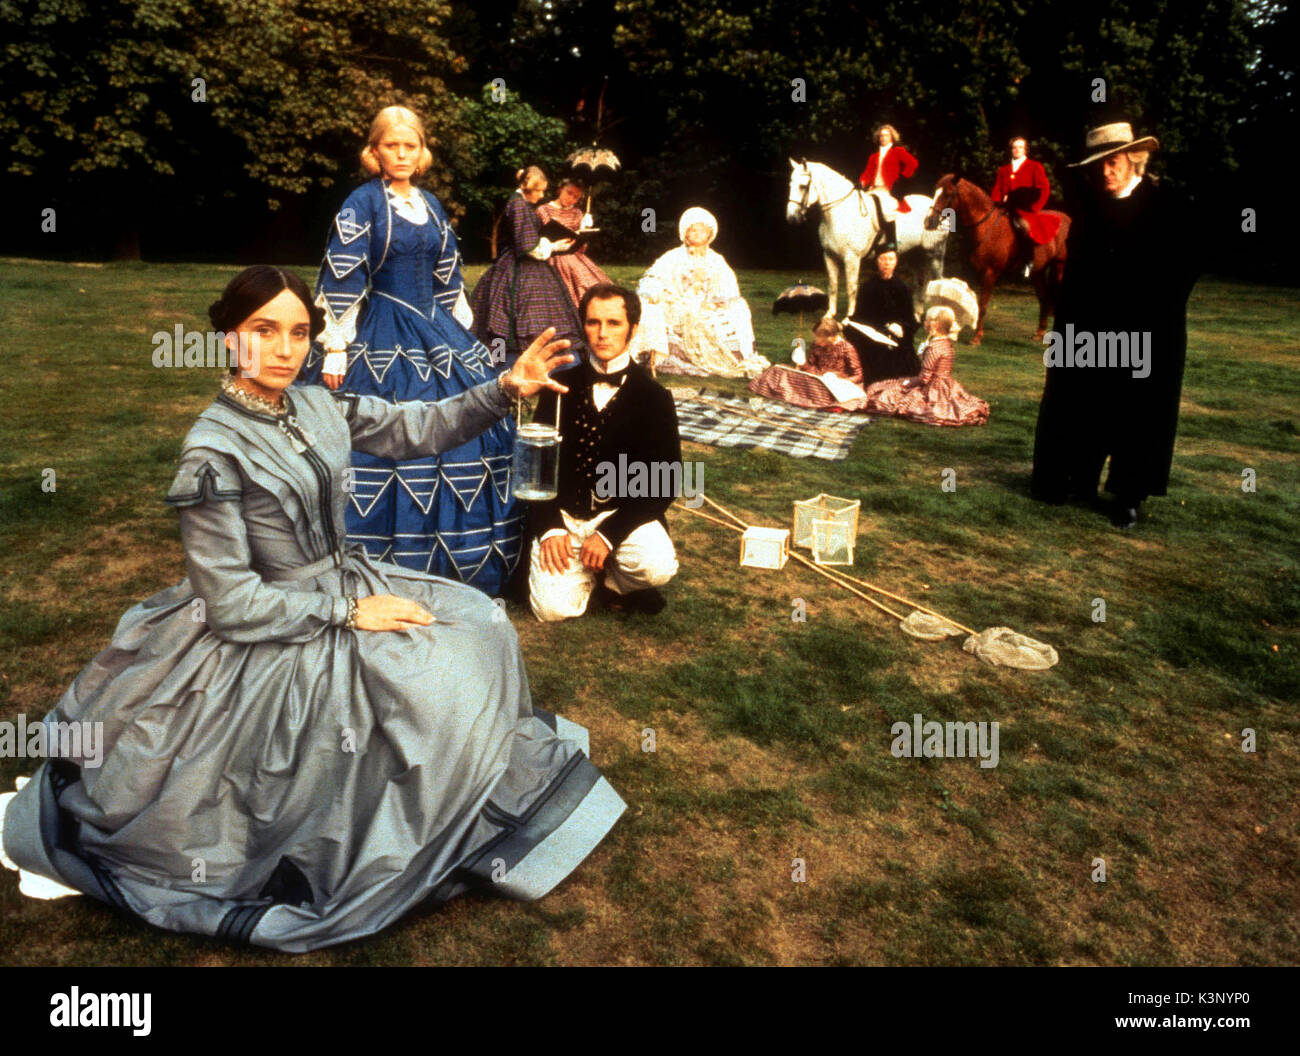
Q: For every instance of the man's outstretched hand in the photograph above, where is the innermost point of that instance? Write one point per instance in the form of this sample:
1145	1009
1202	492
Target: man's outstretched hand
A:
531	372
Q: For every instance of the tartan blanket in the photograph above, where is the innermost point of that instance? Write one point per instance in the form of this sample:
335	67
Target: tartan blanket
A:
710	417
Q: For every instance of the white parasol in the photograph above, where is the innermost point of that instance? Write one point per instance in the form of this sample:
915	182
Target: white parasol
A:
954	294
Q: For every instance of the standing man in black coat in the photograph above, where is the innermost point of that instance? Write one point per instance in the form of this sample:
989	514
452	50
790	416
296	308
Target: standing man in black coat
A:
1115	358
620	469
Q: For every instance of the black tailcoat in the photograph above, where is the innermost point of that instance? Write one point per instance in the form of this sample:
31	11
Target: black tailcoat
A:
639	422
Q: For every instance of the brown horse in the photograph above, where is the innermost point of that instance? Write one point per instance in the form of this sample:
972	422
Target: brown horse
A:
994	249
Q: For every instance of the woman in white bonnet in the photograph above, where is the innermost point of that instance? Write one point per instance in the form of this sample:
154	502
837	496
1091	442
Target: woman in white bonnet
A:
694	320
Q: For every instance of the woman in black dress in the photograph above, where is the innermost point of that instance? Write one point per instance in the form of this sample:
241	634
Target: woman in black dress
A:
887	326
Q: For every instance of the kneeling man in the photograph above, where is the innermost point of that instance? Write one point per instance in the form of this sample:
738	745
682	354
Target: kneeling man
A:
617	424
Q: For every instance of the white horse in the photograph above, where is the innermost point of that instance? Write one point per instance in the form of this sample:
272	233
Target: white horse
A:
849	227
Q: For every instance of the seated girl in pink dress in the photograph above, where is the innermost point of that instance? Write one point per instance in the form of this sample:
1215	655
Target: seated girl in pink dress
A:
934	398
575	268
830	379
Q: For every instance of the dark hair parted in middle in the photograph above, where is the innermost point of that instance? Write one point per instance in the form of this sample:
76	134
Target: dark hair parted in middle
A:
604	291
254	287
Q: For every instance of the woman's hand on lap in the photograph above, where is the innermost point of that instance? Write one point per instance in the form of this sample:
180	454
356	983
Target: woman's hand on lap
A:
387	612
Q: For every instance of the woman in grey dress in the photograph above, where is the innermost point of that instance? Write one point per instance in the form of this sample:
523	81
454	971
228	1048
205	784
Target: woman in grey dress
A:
300	743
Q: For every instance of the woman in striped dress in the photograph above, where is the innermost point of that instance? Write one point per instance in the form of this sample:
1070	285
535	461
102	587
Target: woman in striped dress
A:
935	397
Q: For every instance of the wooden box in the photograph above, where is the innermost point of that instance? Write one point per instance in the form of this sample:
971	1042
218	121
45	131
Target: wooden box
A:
824	508
832	542
764	548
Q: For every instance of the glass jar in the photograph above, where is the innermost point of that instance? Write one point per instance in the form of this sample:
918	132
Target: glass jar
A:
535	474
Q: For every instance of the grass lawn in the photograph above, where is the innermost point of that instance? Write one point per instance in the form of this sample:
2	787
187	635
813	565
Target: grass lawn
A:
773	736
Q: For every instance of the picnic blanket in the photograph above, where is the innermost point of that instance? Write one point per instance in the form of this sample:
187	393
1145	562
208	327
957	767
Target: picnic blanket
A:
711	417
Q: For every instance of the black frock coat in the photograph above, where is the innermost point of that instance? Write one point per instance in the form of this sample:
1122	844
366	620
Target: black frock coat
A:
1131	266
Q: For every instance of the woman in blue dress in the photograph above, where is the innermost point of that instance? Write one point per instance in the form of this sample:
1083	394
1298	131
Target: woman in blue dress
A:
396	321
298	744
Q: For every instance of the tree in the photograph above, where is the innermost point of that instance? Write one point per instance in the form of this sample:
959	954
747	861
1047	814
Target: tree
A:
503	134
277	94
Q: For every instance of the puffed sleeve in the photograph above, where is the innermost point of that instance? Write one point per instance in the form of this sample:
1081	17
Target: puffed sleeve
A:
416	429
239	606
930	365
526	230
344	279
850	361
656	281
725	286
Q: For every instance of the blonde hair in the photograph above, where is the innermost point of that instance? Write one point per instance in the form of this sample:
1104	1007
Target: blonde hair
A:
530	176
942	315
827	330
875	136
388	118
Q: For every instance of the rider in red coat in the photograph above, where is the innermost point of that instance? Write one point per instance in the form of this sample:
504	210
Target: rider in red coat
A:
888	164
1022	189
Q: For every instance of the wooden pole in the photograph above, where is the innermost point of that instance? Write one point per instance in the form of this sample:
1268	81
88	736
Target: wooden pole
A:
803	561
861	582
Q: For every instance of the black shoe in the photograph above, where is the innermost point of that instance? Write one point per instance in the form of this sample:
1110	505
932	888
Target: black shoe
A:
648	601
1122	516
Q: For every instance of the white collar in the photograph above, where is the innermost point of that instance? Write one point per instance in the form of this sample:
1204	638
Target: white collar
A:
411	208
614	365
886	149
1017	162
1129	189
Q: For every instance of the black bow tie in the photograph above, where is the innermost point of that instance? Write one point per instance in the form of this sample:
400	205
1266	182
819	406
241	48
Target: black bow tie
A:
614	377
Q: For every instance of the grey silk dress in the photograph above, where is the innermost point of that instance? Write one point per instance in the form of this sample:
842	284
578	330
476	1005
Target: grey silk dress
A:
272	776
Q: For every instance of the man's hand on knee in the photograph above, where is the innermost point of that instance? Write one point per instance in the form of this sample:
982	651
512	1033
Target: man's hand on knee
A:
594	552
557	553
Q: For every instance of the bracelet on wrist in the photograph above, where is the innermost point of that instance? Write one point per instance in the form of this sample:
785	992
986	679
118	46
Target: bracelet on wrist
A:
351	622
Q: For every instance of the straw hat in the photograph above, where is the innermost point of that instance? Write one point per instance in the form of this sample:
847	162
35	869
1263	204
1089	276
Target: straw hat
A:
1106	140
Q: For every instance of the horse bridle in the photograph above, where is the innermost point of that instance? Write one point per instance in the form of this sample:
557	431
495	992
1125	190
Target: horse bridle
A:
992	209
803	204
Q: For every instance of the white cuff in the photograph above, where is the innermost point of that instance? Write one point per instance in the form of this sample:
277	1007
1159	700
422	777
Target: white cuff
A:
543	250
335	363
338	333
552	534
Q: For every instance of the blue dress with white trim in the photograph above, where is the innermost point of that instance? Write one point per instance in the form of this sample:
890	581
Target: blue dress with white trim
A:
389	285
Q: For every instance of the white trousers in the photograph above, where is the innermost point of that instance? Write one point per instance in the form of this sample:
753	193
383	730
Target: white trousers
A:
644	559
888	203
